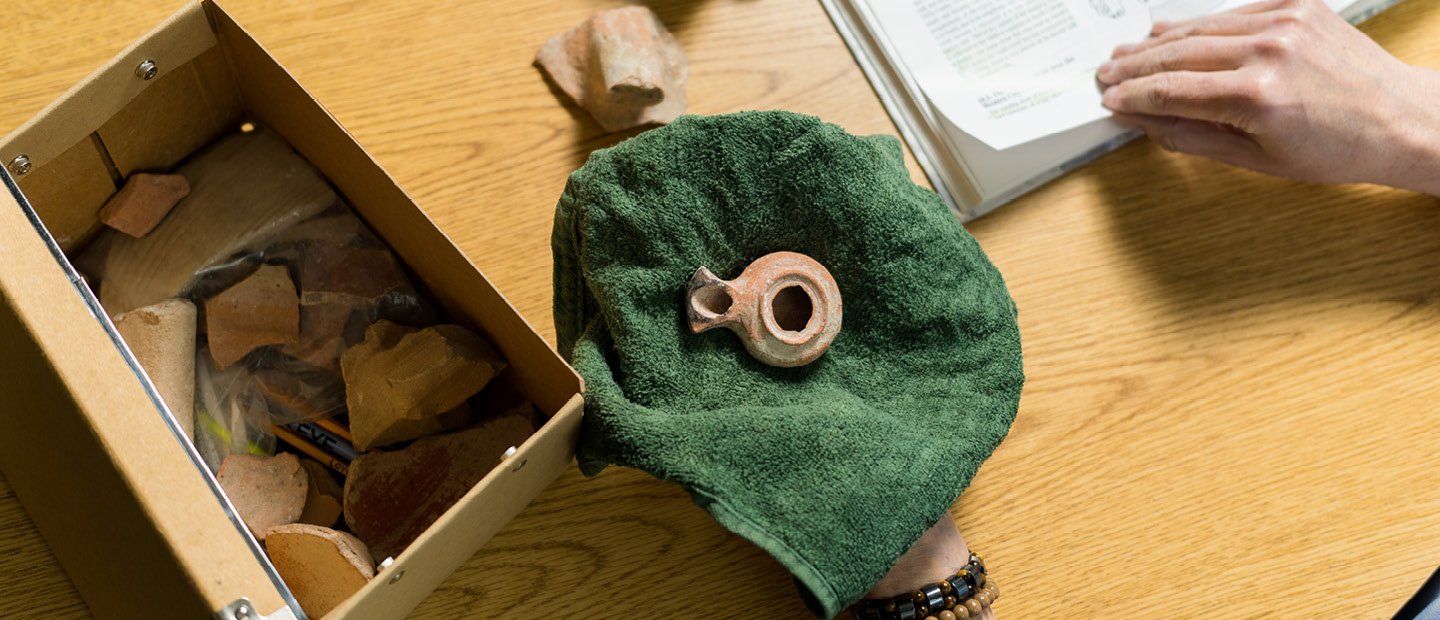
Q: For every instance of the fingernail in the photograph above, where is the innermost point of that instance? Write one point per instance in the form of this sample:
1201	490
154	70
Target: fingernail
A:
1159	27
1120	50
1111	100
1105	70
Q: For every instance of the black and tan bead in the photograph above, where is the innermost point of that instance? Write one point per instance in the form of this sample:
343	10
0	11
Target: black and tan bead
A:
962	596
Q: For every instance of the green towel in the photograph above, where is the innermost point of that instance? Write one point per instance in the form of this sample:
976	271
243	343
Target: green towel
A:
834	468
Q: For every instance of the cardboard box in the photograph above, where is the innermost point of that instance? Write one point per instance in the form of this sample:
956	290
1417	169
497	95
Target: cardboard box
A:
138	522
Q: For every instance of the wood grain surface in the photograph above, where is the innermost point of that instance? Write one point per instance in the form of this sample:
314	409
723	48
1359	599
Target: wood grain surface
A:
1233	406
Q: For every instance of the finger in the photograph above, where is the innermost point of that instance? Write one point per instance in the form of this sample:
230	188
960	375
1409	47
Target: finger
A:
1254	8
1259	6
1216	96
1222	24
1195	54
1201	138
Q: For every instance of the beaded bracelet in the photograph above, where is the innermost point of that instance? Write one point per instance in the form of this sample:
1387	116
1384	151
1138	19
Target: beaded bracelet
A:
963	595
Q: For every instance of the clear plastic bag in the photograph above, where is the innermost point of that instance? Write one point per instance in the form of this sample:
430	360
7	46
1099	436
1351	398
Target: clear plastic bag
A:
223	425
254	203
346	279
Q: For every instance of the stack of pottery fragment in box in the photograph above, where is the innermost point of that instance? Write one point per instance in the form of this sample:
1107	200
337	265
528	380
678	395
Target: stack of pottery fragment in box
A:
340	414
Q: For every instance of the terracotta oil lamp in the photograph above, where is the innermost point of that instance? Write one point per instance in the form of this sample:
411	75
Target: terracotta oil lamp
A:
785	307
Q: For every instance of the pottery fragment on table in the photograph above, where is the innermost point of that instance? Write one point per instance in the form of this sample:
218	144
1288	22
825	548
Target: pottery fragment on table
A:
322	497
399	380
144	200
266	490
622	66
260	310
322	567
785	307
391	497
162	338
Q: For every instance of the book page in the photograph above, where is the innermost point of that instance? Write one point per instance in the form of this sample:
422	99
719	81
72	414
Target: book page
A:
1174	10
1011	71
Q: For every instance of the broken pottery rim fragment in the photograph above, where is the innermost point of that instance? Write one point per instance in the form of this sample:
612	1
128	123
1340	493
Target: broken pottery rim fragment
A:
622	66
759	308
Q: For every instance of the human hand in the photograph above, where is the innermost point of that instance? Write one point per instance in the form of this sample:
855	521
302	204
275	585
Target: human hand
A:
940	552
1284	87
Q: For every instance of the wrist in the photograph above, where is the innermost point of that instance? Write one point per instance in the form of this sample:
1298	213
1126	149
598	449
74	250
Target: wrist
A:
1415	138
936	579
939	552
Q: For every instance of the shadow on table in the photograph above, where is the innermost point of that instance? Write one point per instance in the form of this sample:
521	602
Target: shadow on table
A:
1231	240
677	15
587	135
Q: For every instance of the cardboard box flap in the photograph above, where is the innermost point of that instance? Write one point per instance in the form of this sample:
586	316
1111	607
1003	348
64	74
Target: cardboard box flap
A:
96	457
79	176
90	104
121	119
175	116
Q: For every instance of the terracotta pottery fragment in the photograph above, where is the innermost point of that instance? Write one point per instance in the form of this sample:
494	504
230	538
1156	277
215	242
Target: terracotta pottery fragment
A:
143	202
322	334
785	307
392	497
399	380
266	490
322	499
622	66
350	274
260	310
162	337
341	282
321	566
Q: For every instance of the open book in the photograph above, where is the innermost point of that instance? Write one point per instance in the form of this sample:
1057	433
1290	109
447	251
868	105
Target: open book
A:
997	97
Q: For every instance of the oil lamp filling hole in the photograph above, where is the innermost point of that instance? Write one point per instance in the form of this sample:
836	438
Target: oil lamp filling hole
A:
792	308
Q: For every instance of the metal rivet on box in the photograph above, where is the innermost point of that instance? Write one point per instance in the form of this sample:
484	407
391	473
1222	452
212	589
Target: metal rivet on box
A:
510	452
239	609
20	165
398	574
146	70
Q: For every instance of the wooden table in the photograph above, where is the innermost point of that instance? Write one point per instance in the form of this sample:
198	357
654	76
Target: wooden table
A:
1234	398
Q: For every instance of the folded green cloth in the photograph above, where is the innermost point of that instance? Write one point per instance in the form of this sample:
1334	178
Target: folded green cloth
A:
837	467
